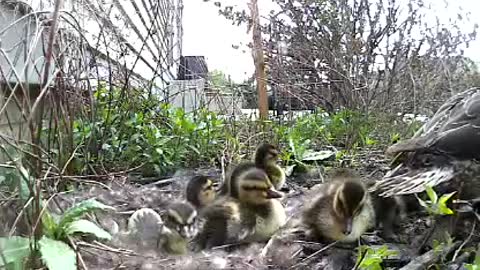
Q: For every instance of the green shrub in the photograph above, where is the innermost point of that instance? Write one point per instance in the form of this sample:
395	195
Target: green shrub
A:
144	130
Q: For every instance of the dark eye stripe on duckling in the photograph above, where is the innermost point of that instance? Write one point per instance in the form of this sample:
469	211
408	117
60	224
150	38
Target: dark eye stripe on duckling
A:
185	220
255	187
182	213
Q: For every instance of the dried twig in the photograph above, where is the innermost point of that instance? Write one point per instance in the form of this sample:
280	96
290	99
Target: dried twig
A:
464	242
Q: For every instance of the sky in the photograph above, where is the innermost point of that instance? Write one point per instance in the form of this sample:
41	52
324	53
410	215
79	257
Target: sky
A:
209	34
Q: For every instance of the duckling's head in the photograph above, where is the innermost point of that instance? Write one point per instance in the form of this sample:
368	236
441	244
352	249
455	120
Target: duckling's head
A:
254	187
348	201
266	154
200	191
181	218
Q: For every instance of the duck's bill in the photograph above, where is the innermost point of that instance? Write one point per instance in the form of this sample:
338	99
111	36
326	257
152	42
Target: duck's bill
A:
273	194
188	231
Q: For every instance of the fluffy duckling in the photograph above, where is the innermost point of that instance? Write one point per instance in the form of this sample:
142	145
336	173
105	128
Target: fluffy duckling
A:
200	191
389	212
342	211
266	157
251	213
180	227
172	233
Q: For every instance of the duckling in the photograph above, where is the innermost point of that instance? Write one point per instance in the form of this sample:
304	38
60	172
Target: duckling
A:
342	211
251	213
180	227
389	212
173	234
265	158
200	191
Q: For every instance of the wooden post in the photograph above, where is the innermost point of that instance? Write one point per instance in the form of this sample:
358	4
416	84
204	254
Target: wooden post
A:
259	62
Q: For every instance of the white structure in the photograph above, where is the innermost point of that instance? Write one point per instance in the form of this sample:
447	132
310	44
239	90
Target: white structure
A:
187	94
193	94
22	63
142	36
22	44
95	36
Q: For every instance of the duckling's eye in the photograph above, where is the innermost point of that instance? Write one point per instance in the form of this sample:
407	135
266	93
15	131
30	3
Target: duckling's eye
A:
249	187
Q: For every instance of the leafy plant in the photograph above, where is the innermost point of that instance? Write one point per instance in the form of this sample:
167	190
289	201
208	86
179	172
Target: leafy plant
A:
14	250
438	246
436	206
371	259
70	222
144	130
55	253
476	263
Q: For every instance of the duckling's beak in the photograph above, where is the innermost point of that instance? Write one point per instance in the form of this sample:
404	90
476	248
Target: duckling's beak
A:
273	194
188	232
348	227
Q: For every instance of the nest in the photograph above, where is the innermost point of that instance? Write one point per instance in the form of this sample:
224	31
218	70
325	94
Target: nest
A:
286	250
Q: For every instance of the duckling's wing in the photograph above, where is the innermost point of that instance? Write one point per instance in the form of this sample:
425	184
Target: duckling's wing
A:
316	216
217	219
276	174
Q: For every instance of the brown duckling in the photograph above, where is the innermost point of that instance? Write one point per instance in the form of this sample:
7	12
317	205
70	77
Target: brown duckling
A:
172	233
266	157
389	212
200	191
342	211
252	213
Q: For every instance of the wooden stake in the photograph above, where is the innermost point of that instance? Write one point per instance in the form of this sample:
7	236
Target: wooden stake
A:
259	61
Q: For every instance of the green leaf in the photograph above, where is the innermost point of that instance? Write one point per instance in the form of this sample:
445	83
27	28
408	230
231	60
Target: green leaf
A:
194	149
431	194
443	200
49	224
86	226
78	210
477	258
423	203
373	258
444	210
57	255
320	155
14	249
